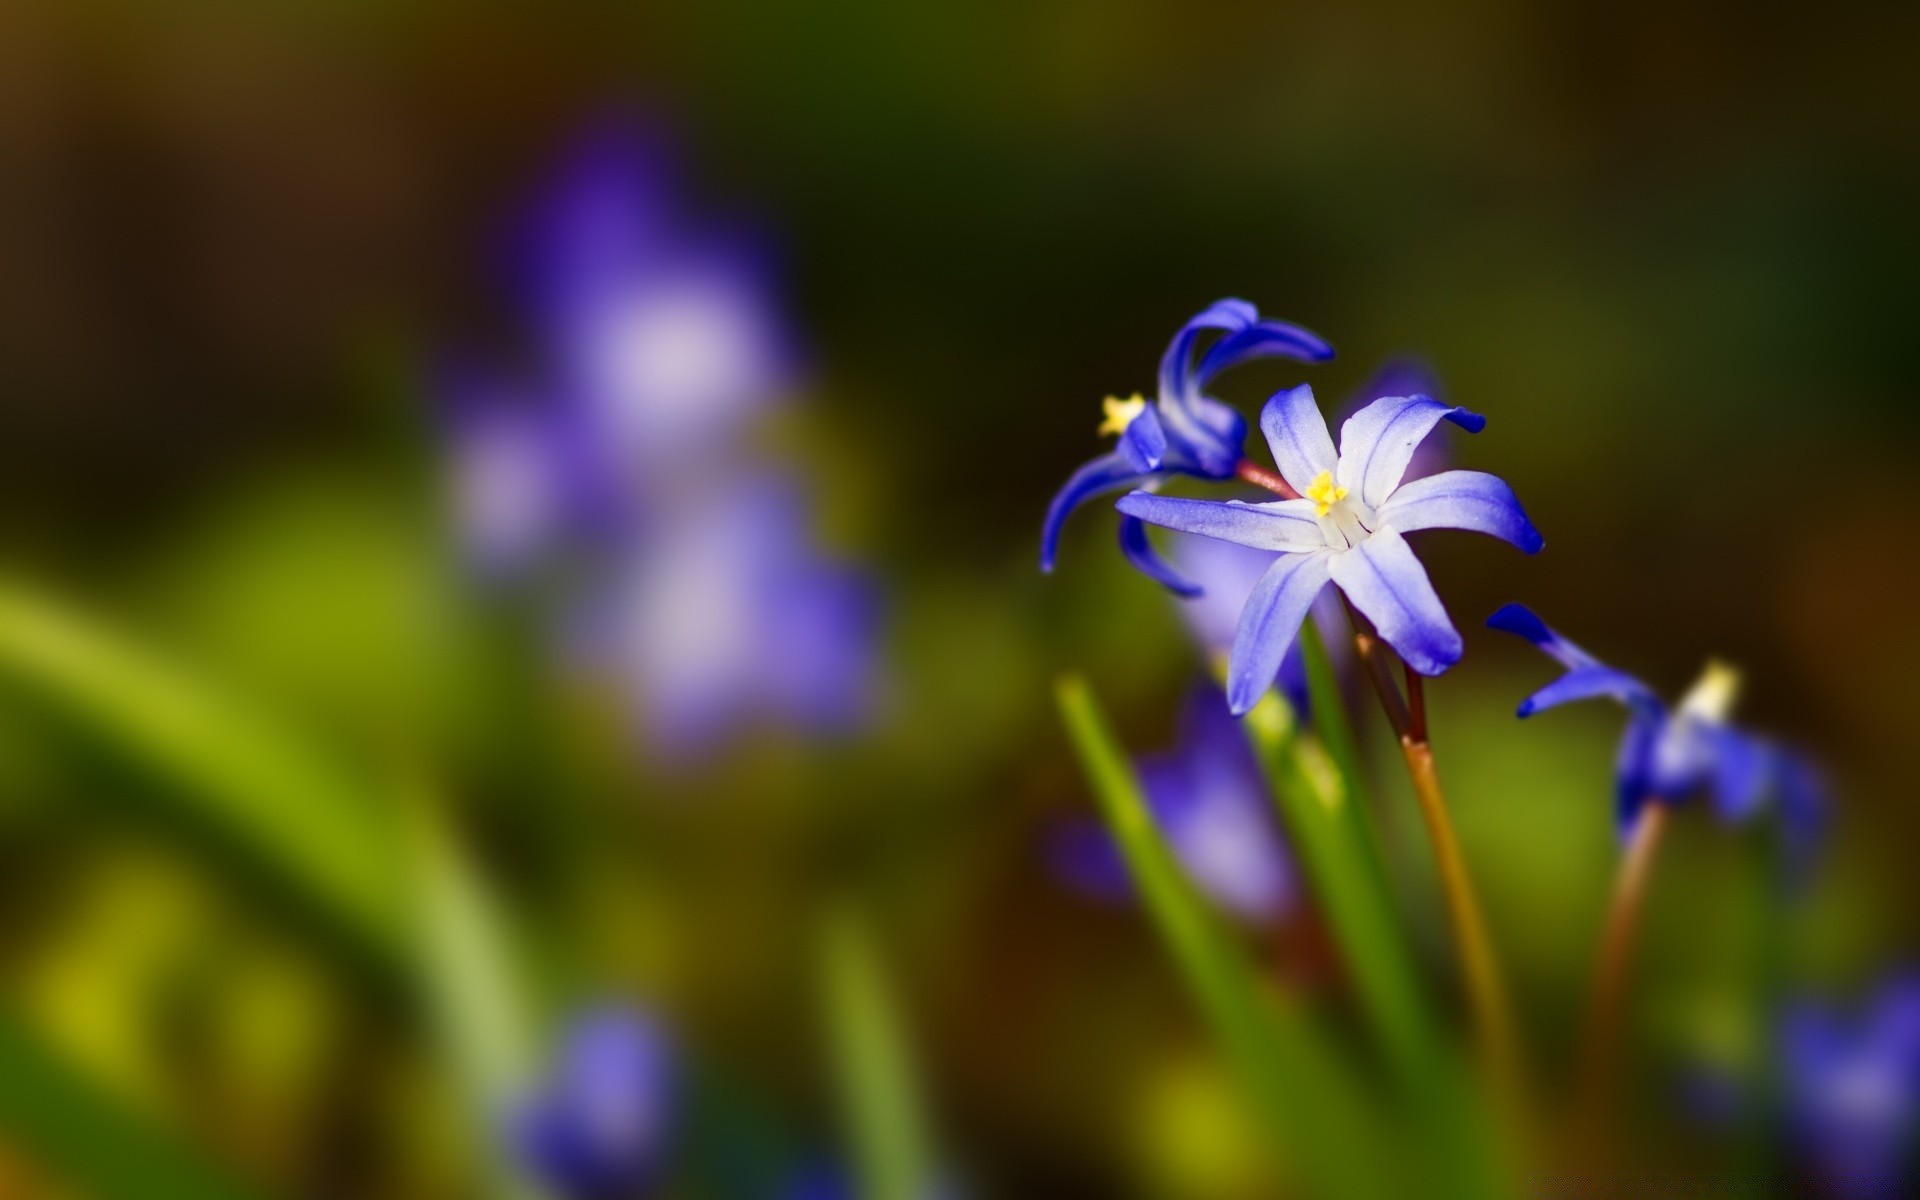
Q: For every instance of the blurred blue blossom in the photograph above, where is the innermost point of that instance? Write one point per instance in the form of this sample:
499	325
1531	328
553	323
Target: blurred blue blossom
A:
1182	431
1852	1089
1673	754
600	1126
1211	804
691	578
1346	528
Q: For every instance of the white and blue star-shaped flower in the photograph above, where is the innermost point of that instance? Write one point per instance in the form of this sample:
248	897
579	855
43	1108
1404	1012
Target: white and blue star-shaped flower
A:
1347	529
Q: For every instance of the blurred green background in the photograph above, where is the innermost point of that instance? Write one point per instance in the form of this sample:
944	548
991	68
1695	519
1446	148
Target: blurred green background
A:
1669	251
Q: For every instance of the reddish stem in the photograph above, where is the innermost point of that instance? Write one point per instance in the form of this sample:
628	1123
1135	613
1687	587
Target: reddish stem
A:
1259	476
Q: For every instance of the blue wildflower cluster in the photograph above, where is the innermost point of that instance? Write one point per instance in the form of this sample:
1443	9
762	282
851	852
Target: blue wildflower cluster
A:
620	459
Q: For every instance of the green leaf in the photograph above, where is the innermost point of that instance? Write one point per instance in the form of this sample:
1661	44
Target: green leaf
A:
306	820
1326	1126
877	1091
470	986
88	1139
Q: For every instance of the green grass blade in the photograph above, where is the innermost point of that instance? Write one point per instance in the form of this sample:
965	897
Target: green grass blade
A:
88	1140
470	986
310	824
878	1096
1325	1128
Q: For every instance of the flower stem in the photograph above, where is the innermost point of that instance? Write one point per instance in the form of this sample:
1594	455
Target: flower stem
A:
1606	1007
1486	990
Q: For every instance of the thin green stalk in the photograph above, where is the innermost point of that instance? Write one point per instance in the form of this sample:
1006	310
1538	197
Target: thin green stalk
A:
1324	1125
891	1149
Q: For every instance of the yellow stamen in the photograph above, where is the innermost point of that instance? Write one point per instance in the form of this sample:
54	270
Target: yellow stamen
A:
1120	413
1325	493
1712	698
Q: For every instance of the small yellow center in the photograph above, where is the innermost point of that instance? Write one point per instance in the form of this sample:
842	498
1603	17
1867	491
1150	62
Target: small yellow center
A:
1325	493
1120	413
1713	696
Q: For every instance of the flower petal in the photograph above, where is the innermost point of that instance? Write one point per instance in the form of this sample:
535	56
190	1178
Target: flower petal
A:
1263	339
1109	472
1741	766
1378	442
1521	620
1284	525
1140	552
1176	365
1270	623
1144	444
1633	770
1584	683
1470	500
1385	581
1297	434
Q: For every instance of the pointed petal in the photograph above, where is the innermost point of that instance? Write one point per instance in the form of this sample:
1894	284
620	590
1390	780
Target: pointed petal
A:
1270	623
1297	434
1144	444
1108	473
1140	552
1387	583
1520	620
1584	683
1284	525
1470	500
1378	442
1263	339
1176	365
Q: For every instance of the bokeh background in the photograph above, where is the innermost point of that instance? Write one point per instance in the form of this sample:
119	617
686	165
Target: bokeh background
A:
1668	250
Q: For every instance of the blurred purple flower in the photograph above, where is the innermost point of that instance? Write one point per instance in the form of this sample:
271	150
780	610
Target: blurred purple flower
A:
1211	803
1852	1089
727	616
656	345
600	1126
1674	754
1346	529
1182	431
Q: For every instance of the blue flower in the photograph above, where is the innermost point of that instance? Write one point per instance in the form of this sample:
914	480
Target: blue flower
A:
1673	754
601	1125
1852	1089
1346	528
1183	431
1210	802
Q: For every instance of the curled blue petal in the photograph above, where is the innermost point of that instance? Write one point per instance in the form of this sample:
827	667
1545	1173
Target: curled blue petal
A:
1377	443
1386	582
1270	624
1145	442
1140	552
1470	500
1584	683
1297	435
1520	620
1284	525
1109	472
1263	339
1176	365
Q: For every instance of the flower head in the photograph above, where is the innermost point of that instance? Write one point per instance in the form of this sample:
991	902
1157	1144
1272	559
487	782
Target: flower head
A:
1211	805
1853	1088
600	1126
1346	529
1183	431
1673	754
